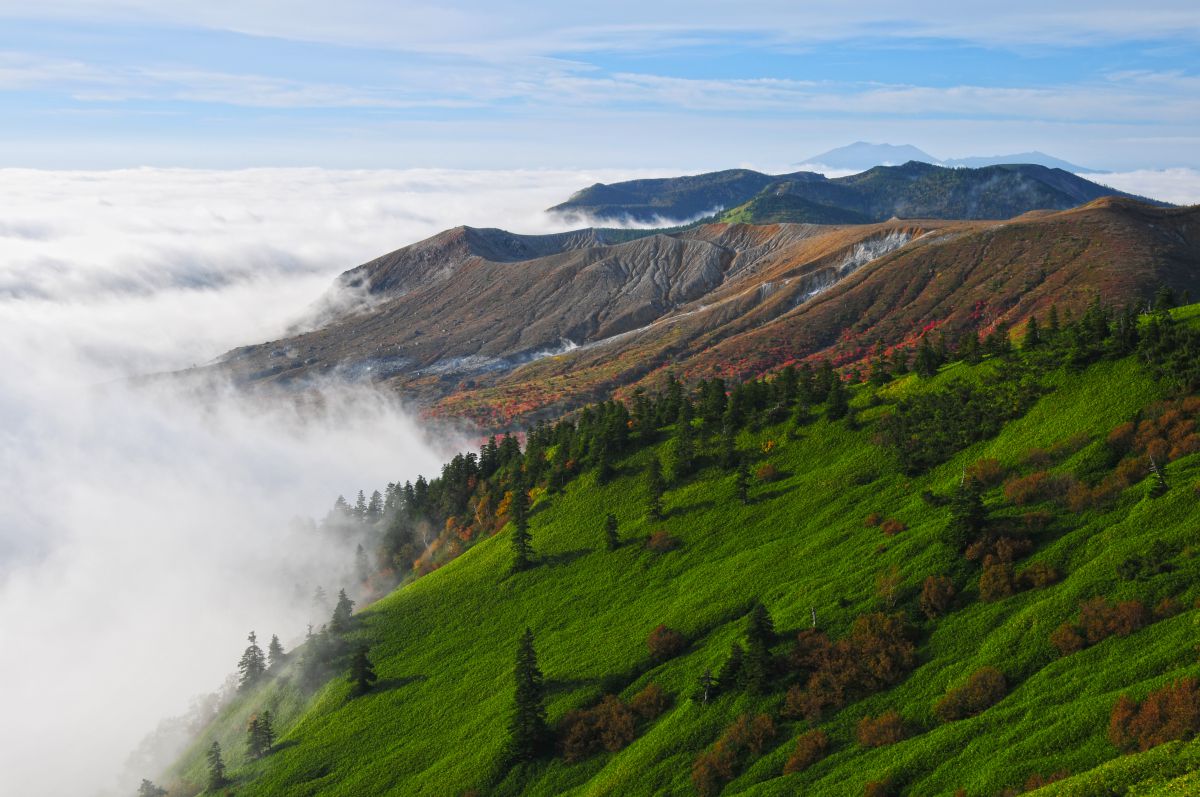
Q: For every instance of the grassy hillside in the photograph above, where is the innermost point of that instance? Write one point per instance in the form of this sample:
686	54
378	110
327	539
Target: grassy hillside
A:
444	644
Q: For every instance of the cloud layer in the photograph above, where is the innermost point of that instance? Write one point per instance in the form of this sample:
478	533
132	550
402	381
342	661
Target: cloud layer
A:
146	530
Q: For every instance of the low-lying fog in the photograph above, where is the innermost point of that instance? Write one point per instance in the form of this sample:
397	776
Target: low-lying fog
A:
143	533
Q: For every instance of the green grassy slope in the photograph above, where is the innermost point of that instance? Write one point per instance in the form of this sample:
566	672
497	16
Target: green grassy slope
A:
444	644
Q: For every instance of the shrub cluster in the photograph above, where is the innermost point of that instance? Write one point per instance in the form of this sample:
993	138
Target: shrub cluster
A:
887	728
665	643
662	541
937	593
811	747
983	689
610	725
877	653
740	743
1167	714
1098	620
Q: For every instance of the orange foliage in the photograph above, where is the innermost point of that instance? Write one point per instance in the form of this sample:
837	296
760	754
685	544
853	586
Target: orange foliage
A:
665	643
650	702
662	541
936	595
983	689
767	473
891	527
1167	714
887	728
986	472
810	748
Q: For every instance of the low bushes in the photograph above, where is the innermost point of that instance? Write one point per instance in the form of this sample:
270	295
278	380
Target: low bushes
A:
665	643
1167	714
811	747
887	728
1098	620
983	689
741	742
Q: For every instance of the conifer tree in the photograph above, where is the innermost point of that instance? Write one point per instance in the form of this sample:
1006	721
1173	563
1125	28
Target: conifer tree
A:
360	507
522	548
759	637
879	374
1052	328
732	671
926	364
275	655
149	789
654	489
252	664
362	672
729	455
1033	337
741	482
838	400
362	565
684	443
340	622
528	733
968	516
611	538
216	767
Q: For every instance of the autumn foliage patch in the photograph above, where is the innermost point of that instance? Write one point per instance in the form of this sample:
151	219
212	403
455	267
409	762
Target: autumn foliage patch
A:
740	743
983	689
1167	714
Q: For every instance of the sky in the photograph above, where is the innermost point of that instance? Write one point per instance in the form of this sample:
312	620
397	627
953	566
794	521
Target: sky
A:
98	84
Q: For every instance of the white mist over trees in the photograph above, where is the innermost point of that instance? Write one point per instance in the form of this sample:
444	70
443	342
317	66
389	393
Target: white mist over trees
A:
148	527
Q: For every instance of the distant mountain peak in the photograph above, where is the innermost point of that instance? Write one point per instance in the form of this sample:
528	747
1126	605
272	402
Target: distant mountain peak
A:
863	155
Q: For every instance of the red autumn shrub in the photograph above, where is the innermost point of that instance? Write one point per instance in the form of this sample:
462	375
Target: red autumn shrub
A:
1067	639
872	520
1038	780
999	549
743	740
1167	607
1036	487
985	688
662	541
1037	576
986	472
1167	714
665	643
767	473
891	527
610	725
878	788
997	581
650	702
937	593
810	748
887	728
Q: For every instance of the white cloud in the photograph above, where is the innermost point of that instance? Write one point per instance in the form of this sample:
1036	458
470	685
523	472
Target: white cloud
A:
1179	186
146	530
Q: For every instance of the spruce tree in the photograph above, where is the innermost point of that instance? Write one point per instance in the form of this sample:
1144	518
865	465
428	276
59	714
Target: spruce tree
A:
759	637
260	735
654	489
741	482
528	734
216	767
252	664
362	672
838	401
149	789
968	516
706	687
732	671
1033	337
275	655
611	538
362	565
926	364
1052	328
340	622
684	443
729	453
522	548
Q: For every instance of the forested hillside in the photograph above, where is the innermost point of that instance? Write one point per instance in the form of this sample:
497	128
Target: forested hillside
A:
970	569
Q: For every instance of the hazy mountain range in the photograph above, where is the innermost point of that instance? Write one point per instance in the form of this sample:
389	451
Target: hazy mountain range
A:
862	155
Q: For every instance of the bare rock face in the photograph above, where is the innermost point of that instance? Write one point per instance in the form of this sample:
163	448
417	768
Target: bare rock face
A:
506	328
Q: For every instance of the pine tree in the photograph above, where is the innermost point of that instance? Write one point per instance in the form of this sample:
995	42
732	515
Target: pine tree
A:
375	508
522	548
729	453
968	516
741	482
528	733
926	364
275	655
252	664
1033	337
879	367
360	507
838	401
149	789
732	671
1052	328
611	538
340	622
759	637
254	738
362	673
654	489
684	443
362	565
216	767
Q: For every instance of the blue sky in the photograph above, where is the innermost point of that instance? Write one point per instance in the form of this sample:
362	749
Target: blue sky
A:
368	83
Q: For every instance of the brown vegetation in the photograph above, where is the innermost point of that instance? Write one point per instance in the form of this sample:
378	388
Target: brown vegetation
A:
810	748
665	643
937	593
887	728
983	689
1167	714
741	742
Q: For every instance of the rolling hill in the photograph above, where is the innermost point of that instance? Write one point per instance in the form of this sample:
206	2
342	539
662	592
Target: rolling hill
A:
837	533
914	190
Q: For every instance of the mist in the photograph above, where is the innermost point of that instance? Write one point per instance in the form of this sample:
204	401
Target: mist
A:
147	528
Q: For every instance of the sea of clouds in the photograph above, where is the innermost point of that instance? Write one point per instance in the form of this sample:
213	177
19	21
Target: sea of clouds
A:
145	530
